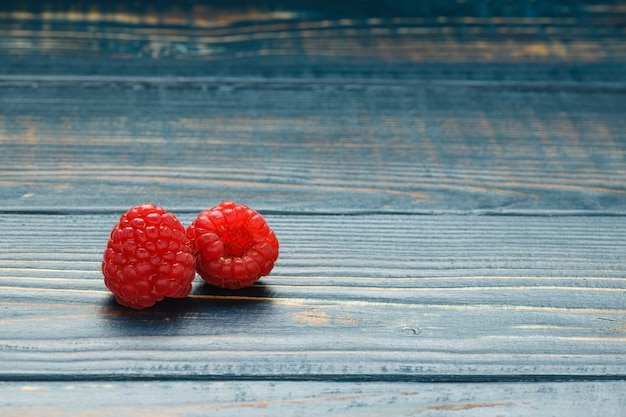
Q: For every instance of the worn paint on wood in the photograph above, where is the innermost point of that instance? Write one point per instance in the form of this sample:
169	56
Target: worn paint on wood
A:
447	179
262	398
357	297
430	39
313	146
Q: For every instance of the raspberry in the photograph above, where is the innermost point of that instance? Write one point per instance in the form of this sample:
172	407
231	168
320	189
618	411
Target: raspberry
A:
233	245
148	257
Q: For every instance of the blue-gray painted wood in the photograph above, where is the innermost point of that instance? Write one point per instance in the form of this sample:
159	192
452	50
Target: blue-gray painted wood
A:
314	146
262	398
434	39
447	180
420	298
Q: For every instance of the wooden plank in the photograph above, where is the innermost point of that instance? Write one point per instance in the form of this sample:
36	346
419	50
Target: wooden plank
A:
388	297
433	39
306	146
253	398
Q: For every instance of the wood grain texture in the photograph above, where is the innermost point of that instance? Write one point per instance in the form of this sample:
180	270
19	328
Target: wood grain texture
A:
427	39
250	398
307	146
417	298
447	180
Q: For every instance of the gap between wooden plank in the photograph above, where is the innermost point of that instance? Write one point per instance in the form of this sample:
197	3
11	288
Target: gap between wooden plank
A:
339	378
64	211
213	82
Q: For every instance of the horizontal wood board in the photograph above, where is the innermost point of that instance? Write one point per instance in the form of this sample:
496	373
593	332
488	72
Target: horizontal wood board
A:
261	398
434	39
309	146
352	297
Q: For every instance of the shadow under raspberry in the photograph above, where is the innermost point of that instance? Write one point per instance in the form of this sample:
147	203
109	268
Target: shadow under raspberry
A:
208	310
256	292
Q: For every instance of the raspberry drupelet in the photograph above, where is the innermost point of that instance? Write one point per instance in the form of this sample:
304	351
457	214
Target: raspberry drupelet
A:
148	257
233	245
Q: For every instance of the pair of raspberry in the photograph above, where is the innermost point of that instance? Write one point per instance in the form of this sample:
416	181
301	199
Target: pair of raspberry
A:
150	255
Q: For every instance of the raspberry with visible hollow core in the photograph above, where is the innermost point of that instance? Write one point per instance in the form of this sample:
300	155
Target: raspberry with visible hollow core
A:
148	257
233	245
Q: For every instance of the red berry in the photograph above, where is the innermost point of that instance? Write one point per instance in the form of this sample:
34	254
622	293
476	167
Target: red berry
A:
148	257
233	245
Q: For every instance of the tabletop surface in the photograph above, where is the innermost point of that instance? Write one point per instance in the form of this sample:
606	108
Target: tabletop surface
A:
447	180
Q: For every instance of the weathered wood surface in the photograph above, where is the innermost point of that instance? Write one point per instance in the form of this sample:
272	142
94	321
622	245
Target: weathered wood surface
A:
361	297
447	180
305	146
254	398
432	39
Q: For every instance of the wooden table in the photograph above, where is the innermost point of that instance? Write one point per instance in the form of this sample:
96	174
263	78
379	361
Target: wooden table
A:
447	180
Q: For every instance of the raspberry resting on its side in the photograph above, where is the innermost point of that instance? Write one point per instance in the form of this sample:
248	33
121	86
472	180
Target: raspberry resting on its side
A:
148	257
233	245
